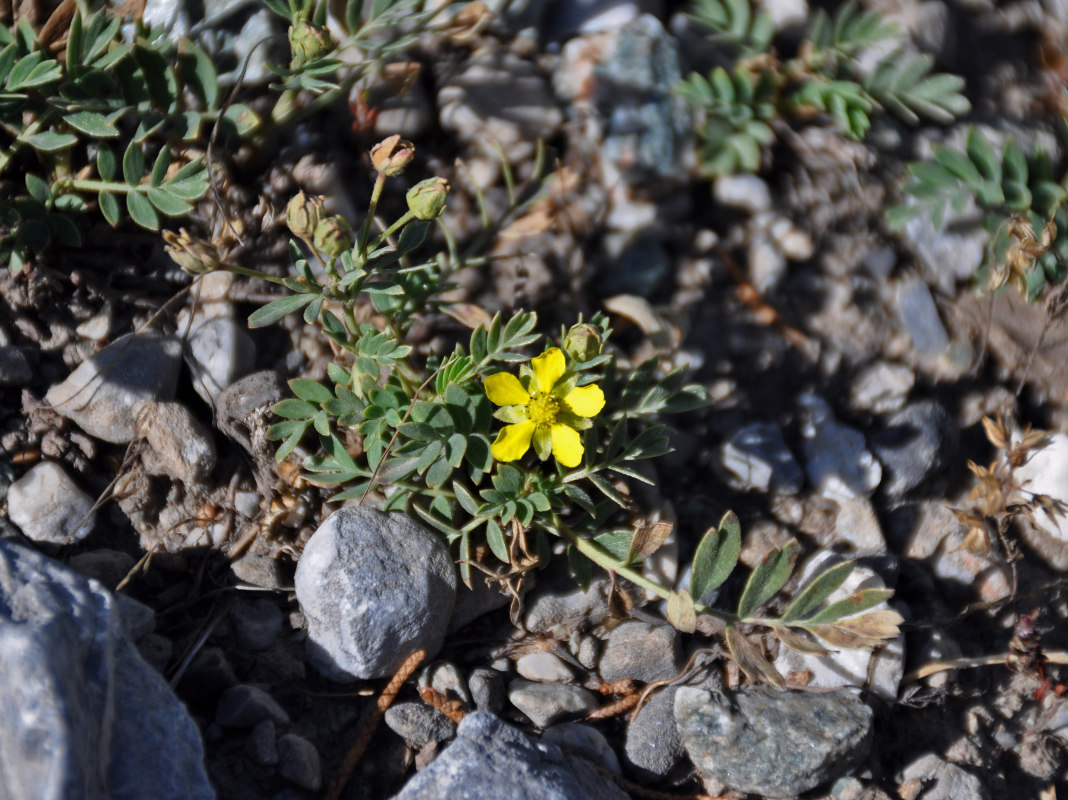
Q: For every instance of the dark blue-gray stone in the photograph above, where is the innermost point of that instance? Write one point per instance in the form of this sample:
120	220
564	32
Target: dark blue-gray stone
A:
914	444
758	459
770	742
81	715
492	759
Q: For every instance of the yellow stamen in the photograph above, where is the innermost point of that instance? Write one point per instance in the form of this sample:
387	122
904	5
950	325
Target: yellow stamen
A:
543	409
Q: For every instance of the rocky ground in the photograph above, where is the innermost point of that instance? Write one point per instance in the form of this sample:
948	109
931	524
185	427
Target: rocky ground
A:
850	369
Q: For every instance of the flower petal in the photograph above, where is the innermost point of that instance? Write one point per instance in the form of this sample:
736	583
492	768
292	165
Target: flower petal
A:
512	442
543	443
504	389
548	368
567	445
585	401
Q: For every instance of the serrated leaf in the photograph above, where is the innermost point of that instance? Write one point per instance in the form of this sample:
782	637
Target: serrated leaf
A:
681	612
818	590
767	579
716	556
751	660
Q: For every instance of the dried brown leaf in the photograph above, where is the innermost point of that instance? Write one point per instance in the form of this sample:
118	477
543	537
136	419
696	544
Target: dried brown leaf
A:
996	432
681	612
881	624
799	642
750	658
649	536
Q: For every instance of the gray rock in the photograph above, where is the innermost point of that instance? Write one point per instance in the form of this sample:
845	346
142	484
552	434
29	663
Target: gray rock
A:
419	724
256	622
49	507
105	565
546	703
137	619
942	780
856	527
881	387
756	458
544	668
836	459
103	394
374	588
593	16
261	744
584	741
446	679
80	712
641	651
14	367
156	650
484	596
652	748
774	743
219	351
492	759
914	445
178	445
949	255
245	706
487	689
919	315
558	607
298	762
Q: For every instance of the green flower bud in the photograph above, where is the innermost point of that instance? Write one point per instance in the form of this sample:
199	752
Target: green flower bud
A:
583	342
307	44
303	214
426	200
194	256
332	237
392	155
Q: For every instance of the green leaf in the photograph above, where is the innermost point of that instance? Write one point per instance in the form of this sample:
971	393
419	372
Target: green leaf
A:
767	579
38	188
818	590
983	155
159	168
52	141
958	165
854	604
166	203
141	211
92	123
242	119
106	163
64	230
133	164
199	72
464	497
109	207
157	74
272	312
495	539
439	472
716	556
312	391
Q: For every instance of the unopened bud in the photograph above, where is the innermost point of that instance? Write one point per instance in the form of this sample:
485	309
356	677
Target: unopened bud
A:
307	44
303	214
426	200
583	342
392	155
332	237
195	256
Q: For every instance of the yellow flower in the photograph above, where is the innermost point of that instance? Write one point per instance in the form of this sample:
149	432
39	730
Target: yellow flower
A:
548	410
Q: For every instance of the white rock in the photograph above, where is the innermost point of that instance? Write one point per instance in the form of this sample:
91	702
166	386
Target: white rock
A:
97	328
49	506
836	459
543	668
747	192
218	352
881	387
847	667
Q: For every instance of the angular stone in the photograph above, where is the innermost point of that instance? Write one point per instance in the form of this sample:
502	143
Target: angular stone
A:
756	458
641	651
103	394
299	763
770	742
419	724
178	445
547	703
374	588
49	507
492	759
78	706
218	352
836	459
652	747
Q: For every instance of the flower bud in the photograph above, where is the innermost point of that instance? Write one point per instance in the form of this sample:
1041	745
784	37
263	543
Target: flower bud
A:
426	200
303	214
307	44
332	237
195	256
583	342
392	155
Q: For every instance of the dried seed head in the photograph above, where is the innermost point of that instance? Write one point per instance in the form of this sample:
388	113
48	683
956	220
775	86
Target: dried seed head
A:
195	256
392	155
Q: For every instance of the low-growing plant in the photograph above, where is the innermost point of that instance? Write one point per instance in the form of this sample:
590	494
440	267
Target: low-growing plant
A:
738	102
503	449
104	118
1022	202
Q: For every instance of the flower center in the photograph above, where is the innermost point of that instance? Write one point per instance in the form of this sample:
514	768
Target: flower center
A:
543	409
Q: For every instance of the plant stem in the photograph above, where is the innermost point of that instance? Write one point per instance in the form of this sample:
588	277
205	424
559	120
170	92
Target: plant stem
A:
365	231
595	553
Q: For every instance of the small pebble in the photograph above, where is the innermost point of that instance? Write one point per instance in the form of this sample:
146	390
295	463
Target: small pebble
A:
487	689
256	622
15	368
298	762
881	387
756	458
261	744
584	741
546	703
218	352
544	668
652	747
641	651
419	724
49	507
